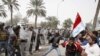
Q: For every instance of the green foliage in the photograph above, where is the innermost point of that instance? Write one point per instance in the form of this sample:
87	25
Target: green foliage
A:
36	8
2	11
67	23
25	20
52	21
15	20
10	3
44	24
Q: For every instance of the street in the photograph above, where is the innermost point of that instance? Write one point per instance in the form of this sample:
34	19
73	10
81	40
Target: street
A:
52	53
43	49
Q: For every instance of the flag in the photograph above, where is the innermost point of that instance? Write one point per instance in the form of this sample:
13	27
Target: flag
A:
78	26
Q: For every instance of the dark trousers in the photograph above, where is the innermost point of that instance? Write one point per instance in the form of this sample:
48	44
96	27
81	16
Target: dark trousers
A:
31	44
37	45
31	47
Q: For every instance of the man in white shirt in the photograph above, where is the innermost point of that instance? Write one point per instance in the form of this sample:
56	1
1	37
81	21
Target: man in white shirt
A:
92	49
23	40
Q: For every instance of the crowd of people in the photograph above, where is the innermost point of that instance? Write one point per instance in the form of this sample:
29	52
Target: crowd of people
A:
19	41
86	43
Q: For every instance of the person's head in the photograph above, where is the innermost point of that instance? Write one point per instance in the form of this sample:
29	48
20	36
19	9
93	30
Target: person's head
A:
71	40
30	28
7	27
91	39
2	26
17	27
95	33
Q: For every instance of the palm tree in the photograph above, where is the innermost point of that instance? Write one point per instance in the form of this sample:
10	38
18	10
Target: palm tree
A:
2	11
37	9
11	4
96	14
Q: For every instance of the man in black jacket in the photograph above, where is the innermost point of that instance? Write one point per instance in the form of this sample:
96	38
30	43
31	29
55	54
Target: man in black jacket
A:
54	44
32	40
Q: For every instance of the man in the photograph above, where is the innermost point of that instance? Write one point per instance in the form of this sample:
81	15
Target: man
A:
91	49
45	33
17	41
11	39
54	44
3	38
23	41
38	35
72	47
32	40
28	36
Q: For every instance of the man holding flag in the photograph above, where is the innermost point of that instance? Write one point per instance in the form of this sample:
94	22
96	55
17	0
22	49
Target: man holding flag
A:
78	26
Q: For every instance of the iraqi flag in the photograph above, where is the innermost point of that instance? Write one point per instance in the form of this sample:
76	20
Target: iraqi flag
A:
78	26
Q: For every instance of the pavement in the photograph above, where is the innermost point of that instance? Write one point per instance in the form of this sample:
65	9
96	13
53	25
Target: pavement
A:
43	49
52	53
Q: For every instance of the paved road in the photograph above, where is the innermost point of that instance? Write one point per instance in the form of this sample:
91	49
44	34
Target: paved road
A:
52	53
43	49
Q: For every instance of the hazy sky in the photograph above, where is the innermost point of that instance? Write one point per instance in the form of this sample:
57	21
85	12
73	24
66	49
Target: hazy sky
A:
66	9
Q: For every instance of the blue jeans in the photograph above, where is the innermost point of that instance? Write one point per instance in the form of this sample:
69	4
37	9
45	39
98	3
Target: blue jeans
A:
51	48
10	47
3	44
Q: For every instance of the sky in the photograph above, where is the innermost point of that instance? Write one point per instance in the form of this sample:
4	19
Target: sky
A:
61	9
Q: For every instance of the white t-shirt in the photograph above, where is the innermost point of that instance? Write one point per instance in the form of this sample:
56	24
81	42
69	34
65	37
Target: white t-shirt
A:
92	50
23	34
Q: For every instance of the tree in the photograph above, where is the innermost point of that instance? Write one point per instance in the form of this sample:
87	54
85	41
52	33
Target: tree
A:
67	23
25	20
15	20
2	11
44	24
52	21
11	4
37	9
96	14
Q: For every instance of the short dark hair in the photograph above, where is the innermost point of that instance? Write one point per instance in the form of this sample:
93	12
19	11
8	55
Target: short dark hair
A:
93	37
95	33
72	38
